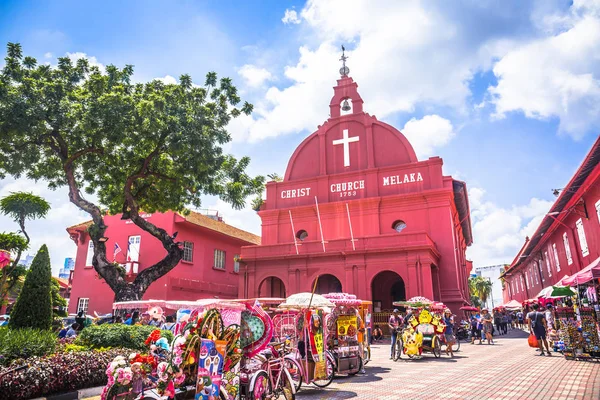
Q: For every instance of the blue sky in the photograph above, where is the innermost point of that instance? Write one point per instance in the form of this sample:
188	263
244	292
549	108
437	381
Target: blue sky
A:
506	92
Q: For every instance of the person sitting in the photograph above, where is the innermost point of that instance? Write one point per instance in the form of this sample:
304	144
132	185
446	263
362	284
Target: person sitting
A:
72	332
169	325
63	332
377	334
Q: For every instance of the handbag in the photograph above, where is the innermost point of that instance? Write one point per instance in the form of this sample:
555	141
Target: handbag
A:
533	342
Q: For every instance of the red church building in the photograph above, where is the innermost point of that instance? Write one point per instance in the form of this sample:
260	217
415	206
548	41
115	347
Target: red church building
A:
566	241
209	266
357	209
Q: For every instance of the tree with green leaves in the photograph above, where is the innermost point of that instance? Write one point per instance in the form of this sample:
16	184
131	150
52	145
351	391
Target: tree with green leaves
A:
33	308
59	304
137	146
481	288
20	206
258	201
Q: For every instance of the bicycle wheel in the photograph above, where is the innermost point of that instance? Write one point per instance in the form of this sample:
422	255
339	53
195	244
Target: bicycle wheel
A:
456	346
399	348
436	347
330	368
295	371
286	387
360	367
260	386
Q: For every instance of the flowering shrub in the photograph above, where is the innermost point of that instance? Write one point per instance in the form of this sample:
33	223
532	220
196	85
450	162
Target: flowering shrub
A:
58	373
124	375
24	343
118	335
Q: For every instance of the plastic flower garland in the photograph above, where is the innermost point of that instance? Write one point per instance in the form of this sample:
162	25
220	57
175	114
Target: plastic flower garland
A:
124	375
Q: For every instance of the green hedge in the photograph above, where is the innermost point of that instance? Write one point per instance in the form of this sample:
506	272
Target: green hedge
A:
118	335
25	343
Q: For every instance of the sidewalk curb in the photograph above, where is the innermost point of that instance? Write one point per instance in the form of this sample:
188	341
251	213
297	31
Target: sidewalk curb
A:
75	395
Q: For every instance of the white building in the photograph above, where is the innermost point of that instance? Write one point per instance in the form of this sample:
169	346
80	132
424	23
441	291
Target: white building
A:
492	272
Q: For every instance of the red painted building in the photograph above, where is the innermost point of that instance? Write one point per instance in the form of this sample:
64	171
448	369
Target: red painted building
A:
566	241
207	269
359	210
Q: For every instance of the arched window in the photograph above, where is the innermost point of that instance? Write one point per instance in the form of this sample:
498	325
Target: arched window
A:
301	234
399	226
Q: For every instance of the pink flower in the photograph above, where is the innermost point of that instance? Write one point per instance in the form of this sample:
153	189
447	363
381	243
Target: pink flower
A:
178	360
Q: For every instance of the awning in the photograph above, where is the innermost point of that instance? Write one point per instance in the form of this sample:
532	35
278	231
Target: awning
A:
512	305
555	292
590	272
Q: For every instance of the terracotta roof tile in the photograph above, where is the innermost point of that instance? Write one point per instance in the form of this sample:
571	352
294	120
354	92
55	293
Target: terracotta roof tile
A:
203	221
221	227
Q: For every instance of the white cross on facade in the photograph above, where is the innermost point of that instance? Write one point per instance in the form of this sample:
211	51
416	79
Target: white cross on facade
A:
345	140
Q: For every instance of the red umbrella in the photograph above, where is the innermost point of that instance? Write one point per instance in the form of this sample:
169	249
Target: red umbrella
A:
469	308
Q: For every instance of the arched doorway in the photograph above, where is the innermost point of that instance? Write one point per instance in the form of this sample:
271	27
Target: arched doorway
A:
327	284
387	287
271	287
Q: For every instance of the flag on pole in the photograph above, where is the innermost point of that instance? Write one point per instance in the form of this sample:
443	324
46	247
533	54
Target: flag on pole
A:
117	251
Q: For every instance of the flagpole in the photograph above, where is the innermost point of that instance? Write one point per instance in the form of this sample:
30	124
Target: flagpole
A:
350	223
320	226
293	231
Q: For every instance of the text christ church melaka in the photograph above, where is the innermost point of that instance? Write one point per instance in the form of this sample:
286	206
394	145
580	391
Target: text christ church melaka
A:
357	209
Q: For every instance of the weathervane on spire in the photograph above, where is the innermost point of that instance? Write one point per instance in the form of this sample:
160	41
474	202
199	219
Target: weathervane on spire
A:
344	71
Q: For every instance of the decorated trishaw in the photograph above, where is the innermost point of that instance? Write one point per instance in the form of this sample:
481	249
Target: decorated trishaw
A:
221	351
344	325
308	361
423	326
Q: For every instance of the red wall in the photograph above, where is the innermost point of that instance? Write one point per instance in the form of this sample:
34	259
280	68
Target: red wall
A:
187	281
590	193
388	183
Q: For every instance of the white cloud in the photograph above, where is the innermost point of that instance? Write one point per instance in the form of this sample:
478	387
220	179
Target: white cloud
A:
557	76
290	17
48	55
167	80
500	232
51	230
91	59
246	218
426	59
428	133
254	76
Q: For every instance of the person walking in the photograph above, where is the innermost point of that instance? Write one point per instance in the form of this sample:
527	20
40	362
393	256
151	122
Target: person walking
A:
520	319
504	318
449	332
498	322
536	322
488	326
394	323
475	331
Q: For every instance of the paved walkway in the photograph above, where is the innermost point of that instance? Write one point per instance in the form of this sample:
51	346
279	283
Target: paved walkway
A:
507	370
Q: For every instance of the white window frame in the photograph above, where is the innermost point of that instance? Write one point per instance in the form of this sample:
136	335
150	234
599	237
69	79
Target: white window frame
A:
548	264
516	286
567	249
188	252
83	304
90	254
556	260
597	205
219	260
134	242
585	251
522	286
536	272
508	288
236	264
527	279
